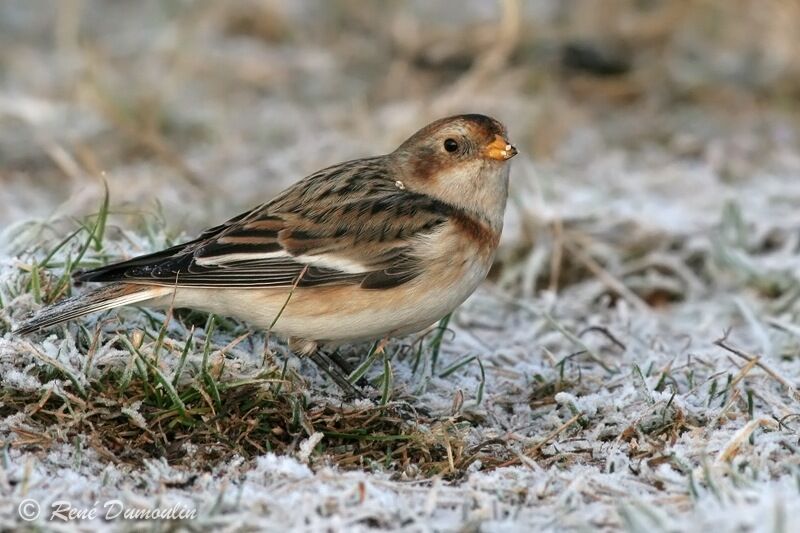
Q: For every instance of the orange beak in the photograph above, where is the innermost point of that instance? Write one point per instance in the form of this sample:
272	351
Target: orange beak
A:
500	149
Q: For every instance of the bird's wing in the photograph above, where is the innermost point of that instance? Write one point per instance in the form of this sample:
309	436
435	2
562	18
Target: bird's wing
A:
349	224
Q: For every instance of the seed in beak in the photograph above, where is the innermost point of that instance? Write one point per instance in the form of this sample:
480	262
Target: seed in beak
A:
500	149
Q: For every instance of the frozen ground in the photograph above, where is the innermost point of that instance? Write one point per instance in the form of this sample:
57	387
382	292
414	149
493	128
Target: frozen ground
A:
632	363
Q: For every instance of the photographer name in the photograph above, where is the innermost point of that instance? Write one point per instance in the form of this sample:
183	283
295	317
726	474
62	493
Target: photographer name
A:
116	510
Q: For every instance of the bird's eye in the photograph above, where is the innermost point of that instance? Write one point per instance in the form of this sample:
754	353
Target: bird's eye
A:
450	145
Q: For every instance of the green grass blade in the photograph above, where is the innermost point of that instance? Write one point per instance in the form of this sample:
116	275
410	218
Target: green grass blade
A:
365	365
482	385
458	364
436	343
182	361
102	218
388	380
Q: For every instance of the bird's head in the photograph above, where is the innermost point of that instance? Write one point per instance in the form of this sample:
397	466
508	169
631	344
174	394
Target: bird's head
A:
462	160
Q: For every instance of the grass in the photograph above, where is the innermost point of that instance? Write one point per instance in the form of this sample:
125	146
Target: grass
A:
252	418
175	389
173	392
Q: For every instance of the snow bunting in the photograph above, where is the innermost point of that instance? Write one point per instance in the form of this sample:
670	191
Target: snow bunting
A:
366	249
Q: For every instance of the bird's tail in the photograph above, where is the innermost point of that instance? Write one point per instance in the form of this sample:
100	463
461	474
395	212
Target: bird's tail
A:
108	297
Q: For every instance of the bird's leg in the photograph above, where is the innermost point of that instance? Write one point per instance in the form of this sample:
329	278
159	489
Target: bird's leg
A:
328	365
332	369
381	346
347	368
341	362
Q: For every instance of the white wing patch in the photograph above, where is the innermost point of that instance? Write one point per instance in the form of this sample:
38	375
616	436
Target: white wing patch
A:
235	258
330	261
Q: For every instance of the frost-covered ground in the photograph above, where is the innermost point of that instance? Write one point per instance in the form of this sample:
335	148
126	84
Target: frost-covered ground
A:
632	362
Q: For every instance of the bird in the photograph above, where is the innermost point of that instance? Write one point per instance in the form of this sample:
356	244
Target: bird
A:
363	250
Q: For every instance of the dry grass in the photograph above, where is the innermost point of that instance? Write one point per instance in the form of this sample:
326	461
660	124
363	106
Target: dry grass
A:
179	407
